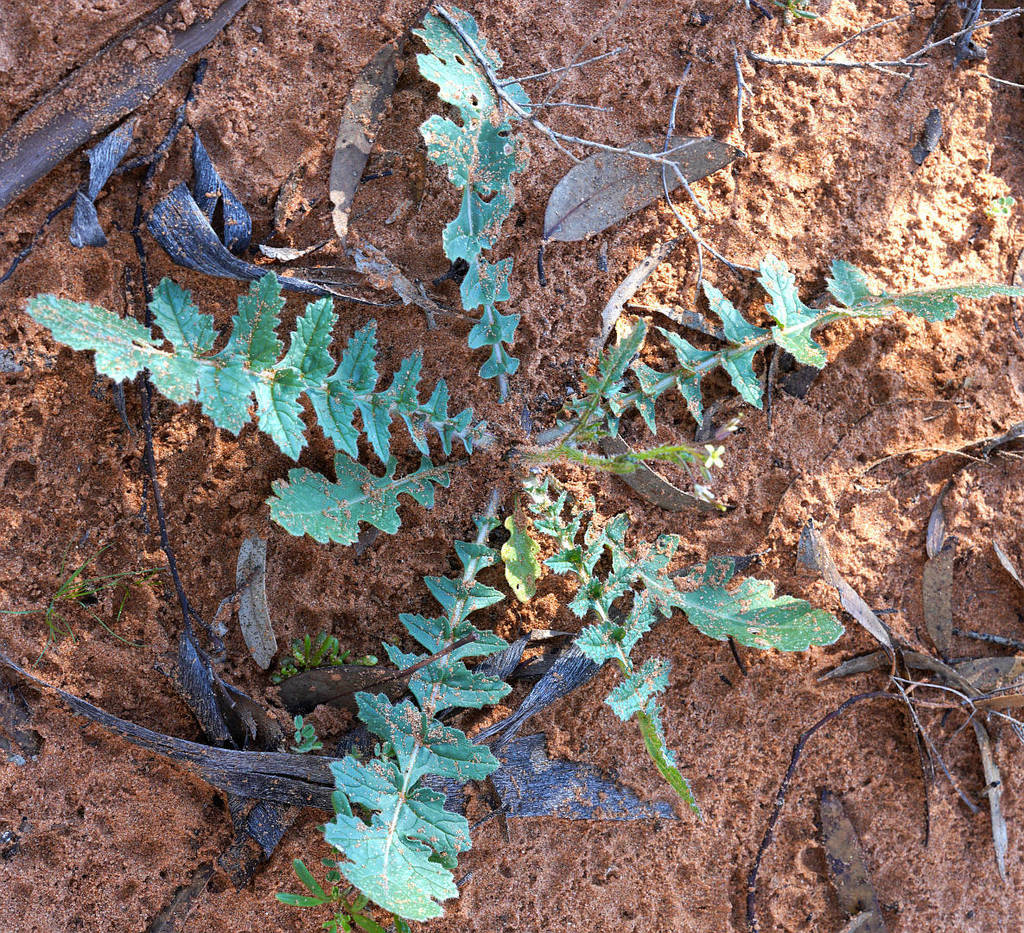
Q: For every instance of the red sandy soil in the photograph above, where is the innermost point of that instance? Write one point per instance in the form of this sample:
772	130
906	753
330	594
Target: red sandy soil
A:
107	833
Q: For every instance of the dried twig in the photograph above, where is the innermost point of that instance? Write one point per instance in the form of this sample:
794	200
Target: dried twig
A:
910	61
741	86
861	32
553	71
1001	640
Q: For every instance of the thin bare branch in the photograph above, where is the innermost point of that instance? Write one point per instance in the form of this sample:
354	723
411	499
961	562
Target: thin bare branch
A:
553	71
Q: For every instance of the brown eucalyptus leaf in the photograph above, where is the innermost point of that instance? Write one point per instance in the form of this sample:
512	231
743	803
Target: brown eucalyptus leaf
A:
846	867
937	595
1007	565
627	289
861	664
653	487
253	614
358	128
812	552
1001	701
610	186
936	536
994	789
988	674
336	685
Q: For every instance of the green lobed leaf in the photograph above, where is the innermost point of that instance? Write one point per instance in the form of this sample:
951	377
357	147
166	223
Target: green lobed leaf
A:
400	875
188	331
939	304
309	503
848	285
519	555
632	694
432	746
795	320
401	854
755	617
480	155
225	383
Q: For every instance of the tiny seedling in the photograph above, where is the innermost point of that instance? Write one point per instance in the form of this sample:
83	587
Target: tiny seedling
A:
79	588
321	650
1000	208
348	904
305	737
792	10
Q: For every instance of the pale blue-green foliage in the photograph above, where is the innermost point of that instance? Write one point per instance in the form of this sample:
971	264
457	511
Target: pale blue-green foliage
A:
250	364
309	503
400	854
793	323
481	154
629	598
254	364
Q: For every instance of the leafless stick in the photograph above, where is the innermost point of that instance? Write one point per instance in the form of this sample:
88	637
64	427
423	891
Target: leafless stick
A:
994	639
780	798
741	86
554	71
1002	81
949	40
568	103
884	67
866	29
675	210
666	150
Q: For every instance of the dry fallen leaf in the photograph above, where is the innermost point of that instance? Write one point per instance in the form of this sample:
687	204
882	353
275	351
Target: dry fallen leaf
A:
849	874
1007	566
253	614
994	789
358	128
610	186
937	596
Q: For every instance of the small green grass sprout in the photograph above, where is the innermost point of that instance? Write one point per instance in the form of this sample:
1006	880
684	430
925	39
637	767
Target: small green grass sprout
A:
78	588
320	650
348	913
305	738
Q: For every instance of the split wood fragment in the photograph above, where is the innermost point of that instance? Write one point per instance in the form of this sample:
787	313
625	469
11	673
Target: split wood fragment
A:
72	113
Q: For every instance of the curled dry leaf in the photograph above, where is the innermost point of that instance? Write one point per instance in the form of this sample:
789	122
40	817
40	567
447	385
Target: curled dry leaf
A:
253	614
846	867
382	274
1007	565
989	674
936	536
358	128
627	289
994	790
610	186
813	553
